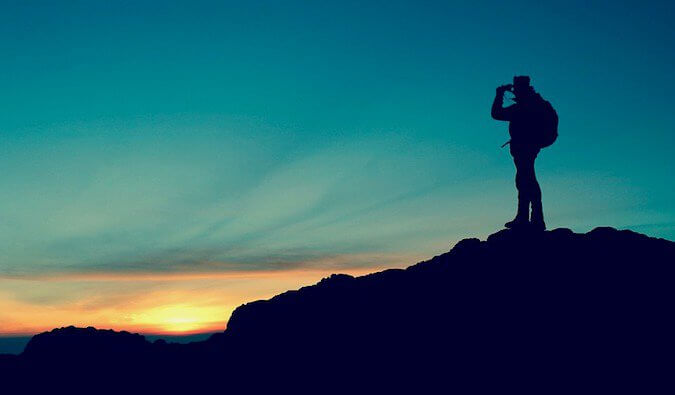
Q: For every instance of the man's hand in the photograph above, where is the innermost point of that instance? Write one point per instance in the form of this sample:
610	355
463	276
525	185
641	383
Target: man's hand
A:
503	88
498	112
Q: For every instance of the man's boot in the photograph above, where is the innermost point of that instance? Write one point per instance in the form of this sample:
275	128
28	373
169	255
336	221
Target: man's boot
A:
538	217
522	217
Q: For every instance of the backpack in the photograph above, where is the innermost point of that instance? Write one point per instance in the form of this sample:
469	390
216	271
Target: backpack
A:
547	123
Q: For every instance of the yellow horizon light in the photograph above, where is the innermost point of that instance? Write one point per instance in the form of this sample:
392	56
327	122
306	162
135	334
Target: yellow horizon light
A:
149	303
179	318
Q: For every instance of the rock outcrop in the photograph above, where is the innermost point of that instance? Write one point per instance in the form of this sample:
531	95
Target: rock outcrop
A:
532	312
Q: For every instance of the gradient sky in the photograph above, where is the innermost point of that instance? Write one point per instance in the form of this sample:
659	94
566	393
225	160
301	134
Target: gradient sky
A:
163	162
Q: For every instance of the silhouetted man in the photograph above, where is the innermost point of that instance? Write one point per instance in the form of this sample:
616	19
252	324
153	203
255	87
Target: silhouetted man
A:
532	126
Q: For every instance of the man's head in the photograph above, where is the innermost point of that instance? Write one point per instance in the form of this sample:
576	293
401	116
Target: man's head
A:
521	86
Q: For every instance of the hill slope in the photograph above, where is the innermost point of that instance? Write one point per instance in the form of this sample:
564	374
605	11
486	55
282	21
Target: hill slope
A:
537	312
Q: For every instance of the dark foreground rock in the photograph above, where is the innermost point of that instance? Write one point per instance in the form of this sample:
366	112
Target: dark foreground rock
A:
526	312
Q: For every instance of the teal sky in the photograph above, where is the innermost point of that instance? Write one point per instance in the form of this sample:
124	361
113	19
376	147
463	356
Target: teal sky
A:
166	136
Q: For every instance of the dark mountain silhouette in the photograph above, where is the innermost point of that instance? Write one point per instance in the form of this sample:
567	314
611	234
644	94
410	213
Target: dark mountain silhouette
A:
528	312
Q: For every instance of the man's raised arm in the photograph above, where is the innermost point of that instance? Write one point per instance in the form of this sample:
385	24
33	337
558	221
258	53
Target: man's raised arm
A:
499	112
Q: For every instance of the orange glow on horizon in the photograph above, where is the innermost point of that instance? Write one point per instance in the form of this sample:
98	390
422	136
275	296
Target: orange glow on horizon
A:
180	318
149	303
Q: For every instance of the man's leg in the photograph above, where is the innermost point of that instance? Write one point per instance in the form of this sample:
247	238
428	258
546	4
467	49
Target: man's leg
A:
523	214
534	194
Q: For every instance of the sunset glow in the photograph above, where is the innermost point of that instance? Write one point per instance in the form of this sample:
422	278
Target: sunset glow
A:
179	318
144	302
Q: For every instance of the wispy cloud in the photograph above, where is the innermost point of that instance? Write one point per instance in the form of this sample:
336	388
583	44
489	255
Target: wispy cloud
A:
143	212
